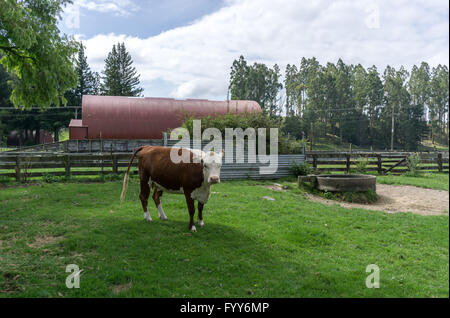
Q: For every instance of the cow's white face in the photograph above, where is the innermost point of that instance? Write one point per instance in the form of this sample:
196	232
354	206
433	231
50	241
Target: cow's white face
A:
212	162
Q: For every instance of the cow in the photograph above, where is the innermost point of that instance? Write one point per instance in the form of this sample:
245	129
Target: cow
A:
192	177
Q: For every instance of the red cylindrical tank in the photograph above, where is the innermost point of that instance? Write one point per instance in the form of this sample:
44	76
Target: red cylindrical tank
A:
117	117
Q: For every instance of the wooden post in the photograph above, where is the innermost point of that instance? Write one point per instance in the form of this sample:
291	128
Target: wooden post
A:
347	164
439	161
114	164
18	177
379	164
90	145
314	161
67	165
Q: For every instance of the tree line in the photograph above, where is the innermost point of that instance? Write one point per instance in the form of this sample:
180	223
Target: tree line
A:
393	110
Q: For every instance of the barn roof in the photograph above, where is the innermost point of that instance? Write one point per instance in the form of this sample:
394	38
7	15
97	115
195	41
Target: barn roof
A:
120	117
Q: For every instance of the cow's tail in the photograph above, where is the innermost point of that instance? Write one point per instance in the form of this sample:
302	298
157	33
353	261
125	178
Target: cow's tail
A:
127	175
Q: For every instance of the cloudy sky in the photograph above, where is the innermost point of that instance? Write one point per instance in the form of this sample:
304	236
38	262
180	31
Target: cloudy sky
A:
184	49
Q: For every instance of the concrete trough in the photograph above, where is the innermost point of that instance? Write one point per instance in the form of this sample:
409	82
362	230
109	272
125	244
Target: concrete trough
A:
341	182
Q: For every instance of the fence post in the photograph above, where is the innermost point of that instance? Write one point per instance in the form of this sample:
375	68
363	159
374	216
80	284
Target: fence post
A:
114	164
347	164
439	161
67	165
314	161
18	177
379	164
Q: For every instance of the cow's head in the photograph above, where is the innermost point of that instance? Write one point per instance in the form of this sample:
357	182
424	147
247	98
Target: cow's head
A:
212	162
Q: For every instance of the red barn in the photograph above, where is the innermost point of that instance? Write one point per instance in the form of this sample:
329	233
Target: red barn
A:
118	117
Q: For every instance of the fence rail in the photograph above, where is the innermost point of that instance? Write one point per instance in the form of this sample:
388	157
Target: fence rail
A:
23	166
380	162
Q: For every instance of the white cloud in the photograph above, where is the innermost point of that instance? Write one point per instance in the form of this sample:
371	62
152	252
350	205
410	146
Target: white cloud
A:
117	7
197	58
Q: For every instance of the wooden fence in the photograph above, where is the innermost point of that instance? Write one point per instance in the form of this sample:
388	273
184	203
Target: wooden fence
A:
91	145
381	162
23	166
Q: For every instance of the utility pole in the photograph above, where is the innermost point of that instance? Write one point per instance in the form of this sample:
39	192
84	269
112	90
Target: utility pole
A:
303	143
392	130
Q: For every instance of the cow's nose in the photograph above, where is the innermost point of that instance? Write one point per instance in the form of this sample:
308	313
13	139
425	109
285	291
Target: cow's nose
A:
214	180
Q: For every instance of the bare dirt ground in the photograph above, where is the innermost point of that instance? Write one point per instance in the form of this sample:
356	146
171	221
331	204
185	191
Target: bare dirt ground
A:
393	199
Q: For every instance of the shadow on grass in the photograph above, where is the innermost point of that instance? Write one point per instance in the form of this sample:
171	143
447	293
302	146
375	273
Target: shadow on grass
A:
163	259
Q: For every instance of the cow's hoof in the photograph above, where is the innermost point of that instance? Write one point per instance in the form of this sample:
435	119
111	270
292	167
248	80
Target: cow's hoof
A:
193	229
201	223
164	218
148	220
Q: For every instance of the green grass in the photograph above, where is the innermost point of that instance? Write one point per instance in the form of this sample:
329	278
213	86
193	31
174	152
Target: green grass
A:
249	247
64	134
428	145
437	181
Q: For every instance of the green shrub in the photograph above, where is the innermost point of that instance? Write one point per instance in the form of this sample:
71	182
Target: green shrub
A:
361	165
413	161
286	145
4	179
300	169
49	178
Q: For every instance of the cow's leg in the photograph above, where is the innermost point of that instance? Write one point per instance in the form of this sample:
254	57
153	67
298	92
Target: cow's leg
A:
200	215
143	195
191	208
157	194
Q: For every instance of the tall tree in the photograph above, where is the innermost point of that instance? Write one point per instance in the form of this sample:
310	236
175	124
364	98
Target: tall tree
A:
256	82
87	83
34	51
419	86
238	86
374	101
120	77
439	101
345	100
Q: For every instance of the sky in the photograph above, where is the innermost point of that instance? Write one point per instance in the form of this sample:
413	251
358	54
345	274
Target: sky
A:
184	49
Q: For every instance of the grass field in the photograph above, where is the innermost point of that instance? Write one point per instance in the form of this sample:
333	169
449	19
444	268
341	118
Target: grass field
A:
437	181
250	247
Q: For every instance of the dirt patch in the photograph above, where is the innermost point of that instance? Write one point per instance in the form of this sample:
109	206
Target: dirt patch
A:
276	187
9	284
41	241
117	289
393	199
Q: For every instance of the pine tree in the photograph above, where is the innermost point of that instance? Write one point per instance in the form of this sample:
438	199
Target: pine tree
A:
120	78
87	83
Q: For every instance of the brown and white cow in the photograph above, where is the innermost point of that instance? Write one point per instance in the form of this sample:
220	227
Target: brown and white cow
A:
193	177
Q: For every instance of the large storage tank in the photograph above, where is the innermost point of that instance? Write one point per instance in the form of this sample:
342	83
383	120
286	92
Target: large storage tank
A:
117	117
